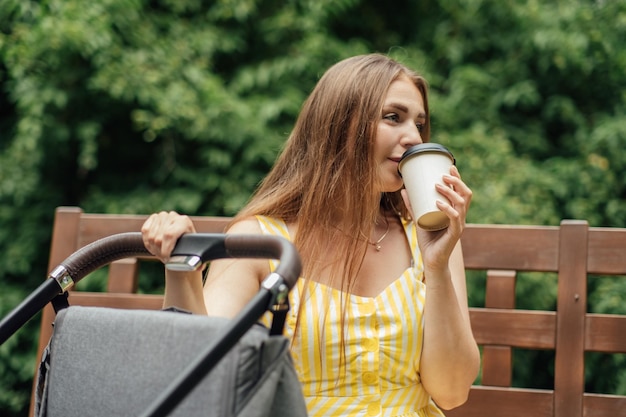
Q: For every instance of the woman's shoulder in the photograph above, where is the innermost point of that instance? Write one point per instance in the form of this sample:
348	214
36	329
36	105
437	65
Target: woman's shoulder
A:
260	225
245	225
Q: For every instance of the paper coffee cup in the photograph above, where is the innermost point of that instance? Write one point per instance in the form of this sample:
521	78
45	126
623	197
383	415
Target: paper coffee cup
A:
421	167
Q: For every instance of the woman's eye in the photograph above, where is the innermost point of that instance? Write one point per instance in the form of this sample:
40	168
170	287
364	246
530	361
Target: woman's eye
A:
392	116
420	126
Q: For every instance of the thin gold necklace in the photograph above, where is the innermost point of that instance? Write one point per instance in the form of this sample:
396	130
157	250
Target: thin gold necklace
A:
376	244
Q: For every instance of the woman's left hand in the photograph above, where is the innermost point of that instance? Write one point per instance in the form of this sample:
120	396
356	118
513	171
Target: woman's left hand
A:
436	246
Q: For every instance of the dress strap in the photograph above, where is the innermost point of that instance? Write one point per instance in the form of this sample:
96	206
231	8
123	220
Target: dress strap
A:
411	235
273	226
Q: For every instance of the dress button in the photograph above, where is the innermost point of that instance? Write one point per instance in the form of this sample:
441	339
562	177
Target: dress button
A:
370	378
373	409
371	345
369	308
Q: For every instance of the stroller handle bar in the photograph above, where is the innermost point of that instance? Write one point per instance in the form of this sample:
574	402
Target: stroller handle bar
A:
191	252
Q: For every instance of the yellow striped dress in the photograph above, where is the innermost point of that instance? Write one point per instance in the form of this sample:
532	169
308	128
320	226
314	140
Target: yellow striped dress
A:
382	344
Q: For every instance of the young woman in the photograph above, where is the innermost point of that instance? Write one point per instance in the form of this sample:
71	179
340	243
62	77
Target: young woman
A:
379	320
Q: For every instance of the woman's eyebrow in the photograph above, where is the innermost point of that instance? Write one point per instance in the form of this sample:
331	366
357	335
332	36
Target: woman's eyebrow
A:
405	109
398	106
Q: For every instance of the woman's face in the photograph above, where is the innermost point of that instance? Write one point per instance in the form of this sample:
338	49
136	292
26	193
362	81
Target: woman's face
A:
399	127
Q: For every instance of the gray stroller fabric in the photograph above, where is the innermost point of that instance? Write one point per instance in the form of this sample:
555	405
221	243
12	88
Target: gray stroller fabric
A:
109	362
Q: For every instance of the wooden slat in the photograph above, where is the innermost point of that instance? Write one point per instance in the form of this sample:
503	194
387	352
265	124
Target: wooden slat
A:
520	248
607	247
497	361
500	292
603	405
124	276
518	328
97	226
605	333
505	402
569	369
497	364
65	233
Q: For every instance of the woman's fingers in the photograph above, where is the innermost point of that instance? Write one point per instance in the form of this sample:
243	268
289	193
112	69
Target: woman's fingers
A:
162	230
457	192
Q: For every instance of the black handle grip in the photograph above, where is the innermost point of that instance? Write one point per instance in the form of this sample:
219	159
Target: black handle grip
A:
209	246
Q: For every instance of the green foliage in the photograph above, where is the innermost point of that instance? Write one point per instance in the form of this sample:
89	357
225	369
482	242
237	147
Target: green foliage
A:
134	106
17	363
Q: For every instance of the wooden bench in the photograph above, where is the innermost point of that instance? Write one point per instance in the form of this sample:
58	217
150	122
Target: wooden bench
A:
571	251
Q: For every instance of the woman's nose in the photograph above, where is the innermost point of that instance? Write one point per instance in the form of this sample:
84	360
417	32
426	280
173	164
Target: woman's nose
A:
411	136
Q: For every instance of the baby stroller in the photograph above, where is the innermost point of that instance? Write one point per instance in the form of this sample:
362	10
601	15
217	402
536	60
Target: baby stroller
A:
111	362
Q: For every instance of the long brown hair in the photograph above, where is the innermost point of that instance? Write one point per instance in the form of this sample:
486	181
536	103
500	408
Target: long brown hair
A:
325	178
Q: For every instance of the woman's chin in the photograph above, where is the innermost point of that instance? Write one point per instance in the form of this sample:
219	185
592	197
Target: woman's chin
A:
392	186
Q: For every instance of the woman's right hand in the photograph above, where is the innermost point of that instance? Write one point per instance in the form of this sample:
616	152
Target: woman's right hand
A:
162	230
160	233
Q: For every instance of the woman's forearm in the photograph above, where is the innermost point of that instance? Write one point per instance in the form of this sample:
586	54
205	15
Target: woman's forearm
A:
450	357
184	290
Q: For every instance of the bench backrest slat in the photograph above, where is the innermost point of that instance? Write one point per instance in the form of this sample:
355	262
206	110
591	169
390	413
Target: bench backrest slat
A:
569	372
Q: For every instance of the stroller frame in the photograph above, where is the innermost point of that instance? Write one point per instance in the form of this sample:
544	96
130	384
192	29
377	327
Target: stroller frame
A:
191	252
